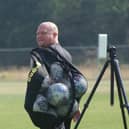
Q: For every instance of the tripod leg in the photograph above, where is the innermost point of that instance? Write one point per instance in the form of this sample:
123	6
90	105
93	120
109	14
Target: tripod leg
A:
120	83
92	93
112	84
120	91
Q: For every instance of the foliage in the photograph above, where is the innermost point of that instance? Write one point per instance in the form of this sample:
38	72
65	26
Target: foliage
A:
79	21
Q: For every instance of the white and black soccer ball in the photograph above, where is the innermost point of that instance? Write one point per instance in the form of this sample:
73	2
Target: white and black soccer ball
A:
40	104
58	94
75	108
46	82
80	84
64	109
56	72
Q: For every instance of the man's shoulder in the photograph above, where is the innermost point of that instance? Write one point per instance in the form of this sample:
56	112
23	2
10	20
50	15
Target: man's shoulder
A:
62	51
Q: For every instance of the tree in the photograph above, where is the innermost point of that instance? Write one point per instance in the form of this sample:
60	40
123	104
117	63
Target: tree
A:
79	21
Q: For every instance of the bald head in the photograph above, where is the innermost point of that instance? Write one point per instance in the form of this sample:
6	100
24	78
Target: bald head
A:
49	26
47	34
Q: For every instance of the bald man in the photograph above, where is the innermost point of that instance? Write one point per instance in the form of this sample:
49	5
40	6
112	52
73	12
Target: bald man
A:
42	58
47	34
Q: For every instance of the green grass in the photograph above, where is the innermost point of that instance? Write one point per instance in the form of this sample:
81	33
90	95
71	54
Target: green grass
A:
99	114
12	113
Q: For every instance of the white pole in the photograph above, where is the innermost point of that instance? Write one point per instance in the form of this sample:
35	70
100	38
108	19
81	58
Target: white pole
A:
102	46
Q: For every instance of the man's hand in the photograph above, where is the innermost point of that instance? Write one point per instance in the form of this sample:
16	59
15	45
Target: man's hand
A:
76	116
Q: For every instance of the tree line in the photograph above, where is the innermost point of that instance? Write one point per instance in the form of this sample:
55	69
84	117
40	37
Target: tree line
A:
79	21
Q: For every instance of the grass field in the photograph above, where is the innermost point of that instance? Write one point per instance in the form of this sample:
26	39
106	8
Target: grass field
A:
99	114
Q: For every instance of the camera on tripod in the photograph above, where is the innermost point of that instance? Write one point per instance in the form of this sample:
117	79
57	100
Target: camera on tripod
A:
115	75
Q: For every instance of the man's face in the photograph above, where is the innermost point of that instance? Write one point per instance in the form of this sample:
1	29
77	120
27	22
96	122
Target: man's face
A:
43	36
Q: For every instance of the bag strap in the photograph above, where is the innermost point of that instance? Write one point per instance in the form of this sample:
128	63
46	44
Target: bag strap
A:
70	69
42	60
71	66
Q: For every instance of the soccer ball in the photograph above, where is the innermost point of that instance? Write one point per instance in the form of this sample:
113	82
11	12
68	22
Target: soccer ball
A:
75	108
40	104
46	82
64	109
58	94
80	84
56	72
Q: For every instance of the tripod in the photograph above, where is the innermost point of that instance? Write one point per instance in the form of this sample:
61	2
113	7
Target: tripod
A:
115	73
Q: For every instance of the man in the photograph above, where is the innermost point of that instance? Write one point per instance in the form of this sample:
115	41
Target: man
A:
42	57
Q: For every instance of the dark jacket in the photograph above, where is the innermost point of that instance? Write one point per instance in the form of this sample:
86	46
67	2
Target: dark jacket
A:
46	57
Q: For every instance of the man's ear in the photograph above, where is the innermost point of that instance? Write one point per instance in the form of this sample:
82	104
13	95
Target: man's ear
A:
55	34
